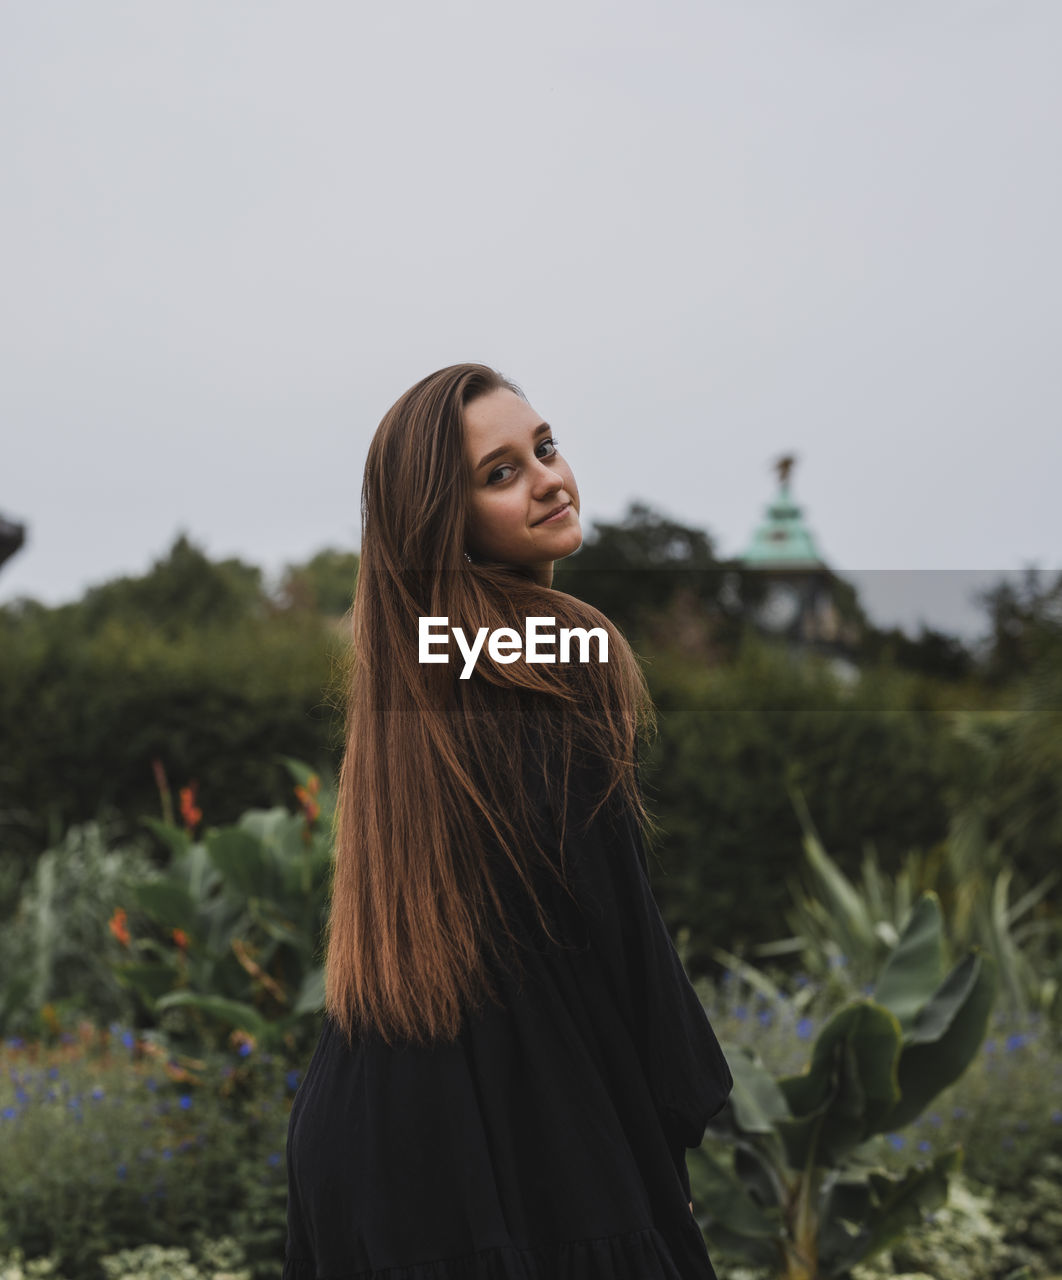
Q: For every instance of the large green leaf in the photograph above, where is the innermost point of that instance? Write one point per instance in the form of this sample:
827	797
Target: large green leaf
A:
872	1035
916	966
755	1102
150	980
727	1199
944	1038
311	995
900	1203
167	903
849	1085
233	1013
176	839
243	863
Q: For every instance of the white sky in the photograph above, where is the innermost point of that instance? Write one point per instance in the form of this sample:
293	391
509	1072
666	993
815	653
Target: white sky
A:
698	235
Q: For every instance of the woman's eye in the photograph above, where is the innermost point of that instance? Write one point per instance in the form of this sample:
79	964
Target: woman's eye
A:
551	443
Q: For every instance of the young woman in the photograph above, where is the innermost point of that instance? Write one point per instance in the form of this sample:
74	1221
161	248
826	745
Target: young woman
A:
513	1061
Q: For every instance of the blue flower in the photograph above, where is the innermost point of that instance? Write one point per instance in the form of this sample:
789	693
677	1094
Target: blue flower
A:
244	1049
167	1154
741	1013
897	1140
97	1093
934	1120
273	1159
53	1073
151	1083
804	1029
1016	1041
15	1042
185	1101
292	1080
924	1145
990	1046
9	1113
766	1017
958	1113
121	1171
128	1039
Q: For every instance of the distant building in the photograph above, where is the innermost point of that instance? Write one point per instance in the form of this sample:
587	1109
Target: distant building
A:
12	536
802	599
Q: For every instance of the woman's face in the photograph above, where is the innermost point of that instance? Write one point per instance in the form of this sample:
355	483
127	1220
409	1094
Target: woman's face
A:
517	479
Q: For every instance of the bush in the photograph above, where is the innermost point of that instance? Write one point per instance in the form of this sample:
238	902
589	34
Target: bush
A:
107	1142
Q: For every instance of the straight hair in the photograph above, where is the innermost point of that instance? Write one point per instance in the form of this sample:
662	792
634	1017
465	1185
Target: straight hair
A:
433	769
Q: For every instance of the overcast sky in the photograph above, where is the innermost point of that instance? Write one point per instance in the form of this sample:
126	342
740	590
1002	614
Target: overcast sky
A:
698	235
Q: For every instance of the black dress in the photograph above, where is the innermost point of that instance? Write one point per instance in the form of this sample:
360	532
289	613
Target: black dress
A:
549	1141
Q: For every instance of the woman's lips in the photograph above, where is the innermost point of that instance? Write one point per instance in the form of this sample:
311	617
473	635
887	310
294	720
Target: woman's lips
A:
557	515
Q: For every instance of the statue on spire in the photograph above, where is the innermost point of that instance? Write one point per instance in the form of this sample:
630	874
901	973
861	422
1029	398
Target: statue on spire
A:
783	466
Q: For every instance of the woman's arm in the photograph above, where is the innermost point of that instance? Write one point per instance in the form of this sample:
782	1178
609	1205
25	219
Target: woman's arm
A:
686	1070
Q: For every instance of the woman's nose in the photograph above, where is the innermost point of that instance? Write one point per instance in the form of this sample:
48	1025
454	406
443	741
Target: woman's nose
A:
547	480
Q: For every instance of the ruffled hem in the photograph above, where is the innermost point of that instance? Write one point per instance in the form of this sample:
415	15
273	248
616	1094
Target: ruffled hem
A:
641	1255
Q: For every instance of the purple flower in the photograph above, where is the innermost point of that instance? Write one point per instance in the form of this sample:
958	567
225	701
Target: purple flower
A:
97	1093
185	1101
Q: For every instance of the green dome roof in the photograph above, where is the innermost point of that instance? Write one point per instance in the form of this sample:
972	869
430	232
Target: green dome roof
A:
783	540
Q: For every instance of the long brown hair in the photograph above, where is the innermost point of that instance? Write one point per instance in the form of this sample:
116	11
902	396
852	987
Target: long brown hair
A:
433	765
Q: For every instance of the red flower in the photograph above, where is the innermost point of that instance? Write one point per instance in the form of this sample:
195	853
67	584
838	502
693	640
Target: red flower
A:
116	924
181	939
190	815
305	796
